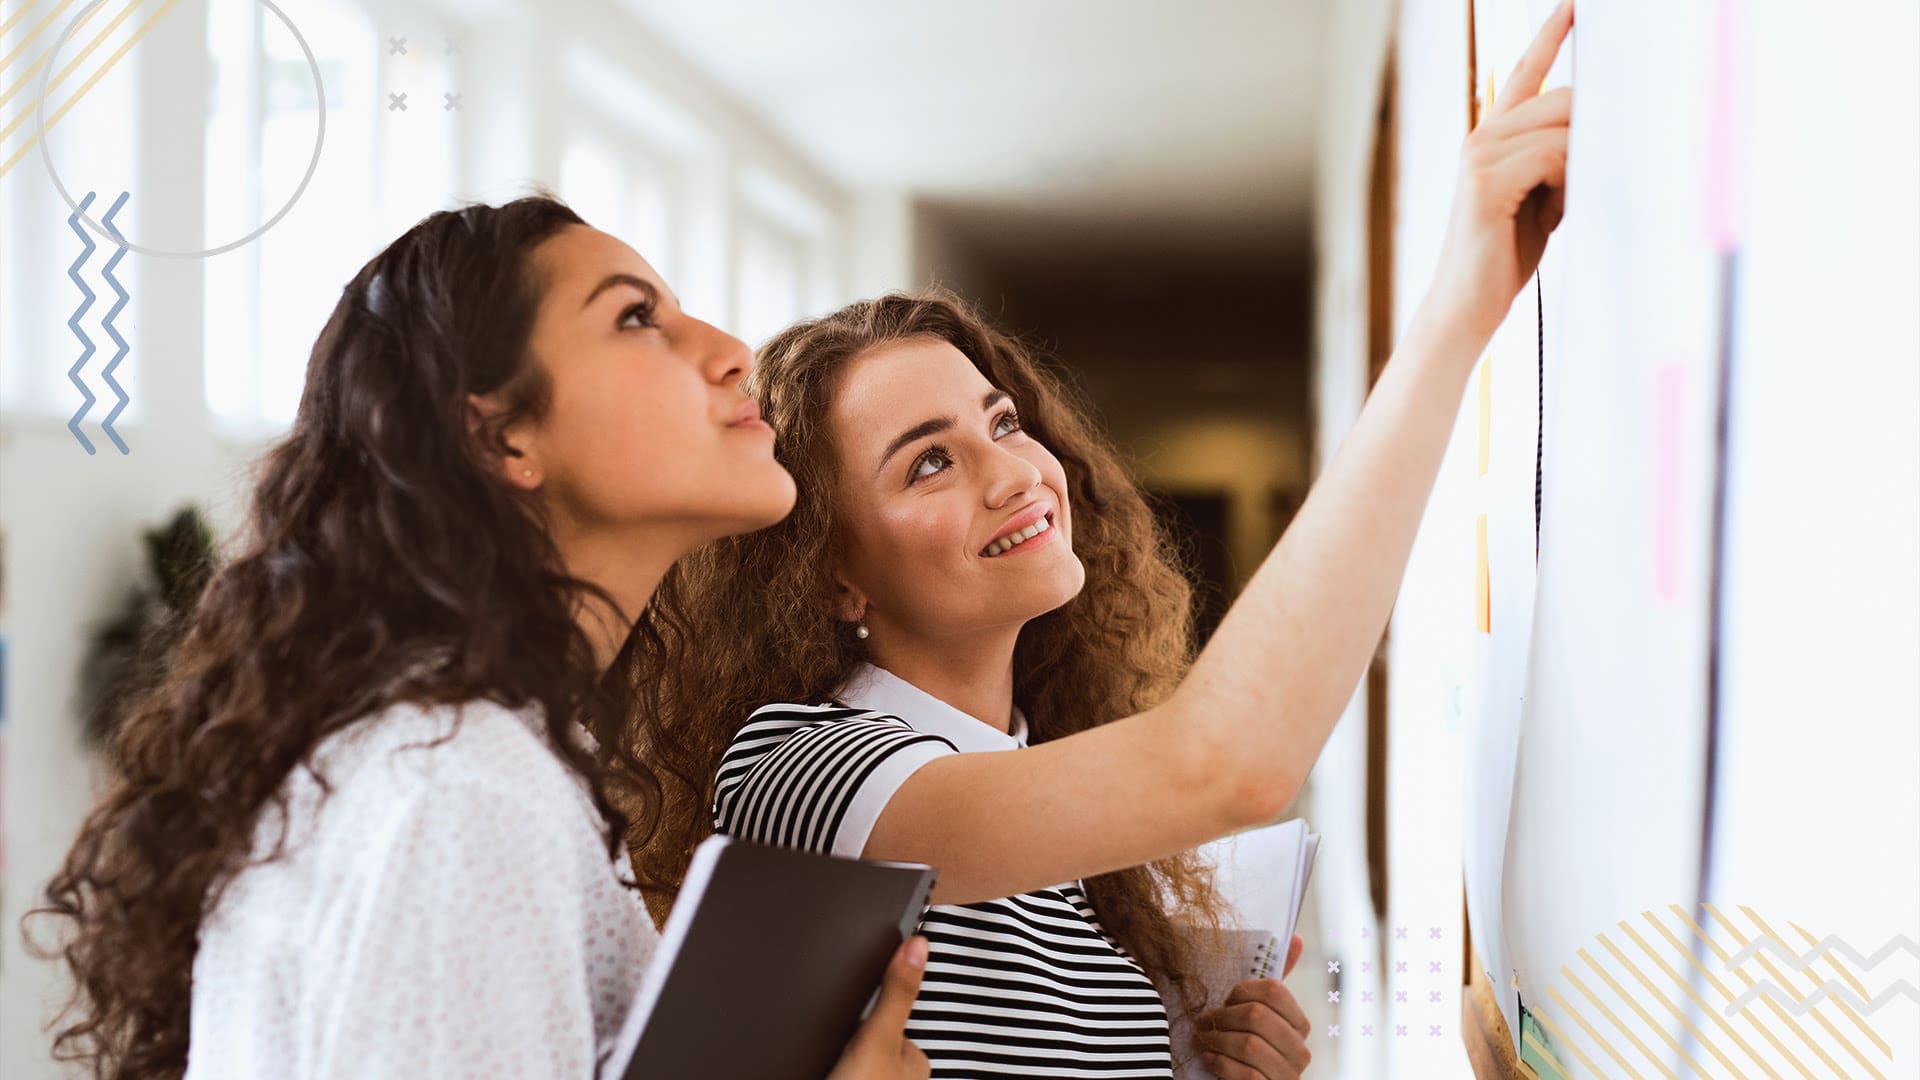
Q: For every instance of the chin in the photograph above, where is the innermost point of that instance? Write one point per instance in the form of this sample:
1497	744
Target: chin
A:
772	502
747	508
1066	583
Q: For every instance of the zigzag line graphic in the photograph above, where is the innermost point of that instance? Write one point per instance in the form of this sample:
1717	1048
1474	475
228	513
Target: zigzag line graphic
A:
1830	988
107	324
73	324
1831	942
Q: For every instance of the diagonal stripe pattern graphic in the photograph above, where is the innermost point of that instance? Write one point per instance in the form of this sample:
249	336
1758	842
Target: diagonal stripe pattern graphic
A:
11	84
1676	994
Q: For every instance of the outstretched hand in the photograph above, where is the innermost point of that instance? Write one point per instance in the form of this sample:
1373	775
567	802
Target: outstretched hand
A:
1510	194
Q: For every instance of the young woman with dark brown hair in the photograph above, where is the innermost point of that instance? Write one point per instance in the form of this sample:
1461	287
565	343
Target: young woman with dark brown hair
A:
362	828
967	647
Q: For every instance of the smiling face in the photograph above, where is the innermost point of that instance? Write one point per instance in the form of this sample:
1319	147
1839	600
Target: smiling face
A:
954	520
645	423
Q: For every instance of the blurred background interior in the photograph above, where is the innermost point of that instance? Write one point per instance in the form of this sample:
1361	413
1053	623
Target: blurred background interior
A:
1131	186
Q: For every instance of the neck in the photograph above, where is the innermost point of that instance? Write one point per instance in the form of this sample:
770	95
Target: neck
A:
629	567
974	674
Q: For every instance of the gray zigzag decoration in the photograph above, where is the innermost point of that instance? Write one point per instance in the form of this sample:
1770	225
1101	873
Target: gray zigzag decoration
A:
1832	987
1832	942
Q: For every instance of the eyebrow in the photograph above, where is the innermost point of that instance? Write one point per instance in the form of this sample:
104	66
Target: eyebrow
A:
932	427
611	280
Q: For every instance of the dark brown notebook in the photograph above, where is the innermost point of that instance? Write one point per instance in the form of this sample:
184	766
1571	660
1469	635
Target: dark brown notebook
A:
768	963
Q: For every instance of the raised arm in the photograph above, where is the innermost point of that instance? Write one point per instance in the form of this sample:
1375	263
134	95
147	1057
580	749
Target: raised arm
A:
1232	746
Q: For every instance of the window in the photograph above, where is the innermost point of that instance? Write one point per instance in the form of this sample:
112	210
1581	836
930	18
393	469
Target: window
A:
632	194
771	282
388	162
783	267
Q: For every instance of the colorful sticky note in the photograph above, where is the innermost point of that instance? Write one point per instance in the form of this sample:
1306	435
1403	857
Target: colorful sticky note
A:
1483	591
1668	426
1536	1050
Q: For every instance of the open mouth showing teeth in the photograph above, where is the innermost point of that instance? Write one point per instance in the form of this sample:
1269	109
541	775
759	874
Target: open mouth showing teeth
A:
1015	539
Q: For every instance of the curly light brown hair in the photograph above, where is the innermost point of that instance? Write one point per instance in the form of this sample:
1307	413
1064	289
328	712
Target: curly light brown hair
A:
382	563
1118	648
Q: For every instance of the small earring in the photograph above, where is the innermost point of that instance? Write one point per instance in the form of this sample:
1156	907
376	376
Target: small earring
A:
860	631
528	473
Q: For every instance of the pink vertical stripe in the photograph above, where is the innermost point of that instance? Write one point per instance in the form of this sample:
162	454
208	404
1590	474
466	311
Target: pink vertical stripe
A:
1669	392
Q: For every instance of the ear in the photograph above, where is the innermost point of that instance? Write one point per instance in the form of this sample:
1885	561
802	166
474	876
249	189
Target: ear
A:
504	452
849	602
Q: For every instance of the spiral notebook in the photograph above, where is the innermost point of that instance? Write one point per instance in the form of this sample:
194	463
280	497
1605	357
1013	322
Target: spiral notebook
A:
768	963
1262	875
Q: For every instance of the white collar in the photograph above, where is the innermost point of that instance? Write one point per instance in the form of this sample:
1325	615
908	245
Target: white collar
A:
879	690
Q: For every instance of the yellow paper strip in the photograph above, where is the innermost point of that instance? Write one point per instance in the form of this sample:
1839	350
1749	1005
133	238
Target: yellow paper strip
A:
1481	586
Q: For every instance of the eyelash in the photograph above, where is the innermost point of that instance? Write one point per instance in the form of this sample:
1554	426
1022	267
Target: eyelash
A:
913	471
643	309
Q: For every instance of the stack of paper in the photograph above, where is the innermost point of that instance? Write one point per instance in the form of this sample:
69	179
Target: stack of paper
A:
1262	875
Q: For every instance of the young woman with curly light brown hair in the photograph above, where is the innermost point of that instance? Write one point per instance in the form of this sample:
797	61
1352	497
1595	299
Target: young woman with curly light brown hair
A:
362	828
967	647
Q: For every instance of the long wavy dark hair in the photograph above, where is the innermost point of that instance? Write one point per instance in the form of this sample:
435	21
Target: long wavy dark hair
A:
1118	648
382	563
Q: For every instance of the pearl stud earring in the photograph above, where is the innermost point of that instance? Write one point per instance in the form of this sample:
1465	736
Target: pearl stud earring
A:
860	631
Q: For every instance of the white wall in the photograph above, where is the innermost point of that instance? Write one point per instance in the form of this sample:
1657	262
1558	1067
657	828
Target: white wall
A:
1422	871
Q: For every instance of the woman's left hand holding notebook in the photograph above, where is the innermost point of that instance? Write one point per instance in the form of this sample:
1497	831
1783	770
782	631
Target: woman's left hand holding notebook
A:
880	1050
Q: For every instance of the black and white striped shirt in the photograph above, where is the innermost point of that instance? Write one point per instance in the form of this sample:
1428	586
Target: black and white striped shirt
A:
1027	985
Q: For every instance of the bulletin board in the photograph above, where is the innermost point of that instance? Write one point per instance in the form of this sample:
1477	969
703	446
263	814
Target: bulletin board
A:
1679	535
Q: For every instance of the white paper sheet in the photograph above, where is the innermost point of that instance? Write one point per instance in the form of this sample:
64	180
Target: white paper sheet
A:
1607	806
1503	408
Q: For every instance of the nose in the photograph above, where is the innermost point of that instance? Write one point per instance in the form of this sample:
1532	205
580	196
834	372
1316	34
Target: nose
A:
1009	476
725	359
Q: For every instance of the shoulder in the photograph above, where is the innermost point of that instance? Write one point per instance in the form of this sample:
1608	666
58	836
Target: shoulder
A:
782	720
816	776
473	770
413	746
772	728
427	804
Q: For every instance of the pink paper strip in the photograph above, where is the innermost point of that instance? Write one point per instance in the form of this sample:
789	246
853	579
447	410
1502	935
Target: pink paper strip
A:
1669	392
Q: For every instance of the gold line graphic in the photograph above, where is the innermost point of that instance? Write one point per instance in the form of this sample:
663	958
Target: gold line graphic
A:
1858	988
1720	988
1560	1038
1748	979
1615	1021
1638	1009
1588	1029
88	85
27	76
1705	1009
1677	1012
1780	980
17	16
33	33
61	76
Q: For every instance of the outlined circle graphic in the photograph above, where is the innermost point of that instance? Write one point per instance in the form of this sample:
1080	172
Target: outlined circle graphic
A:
46	155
